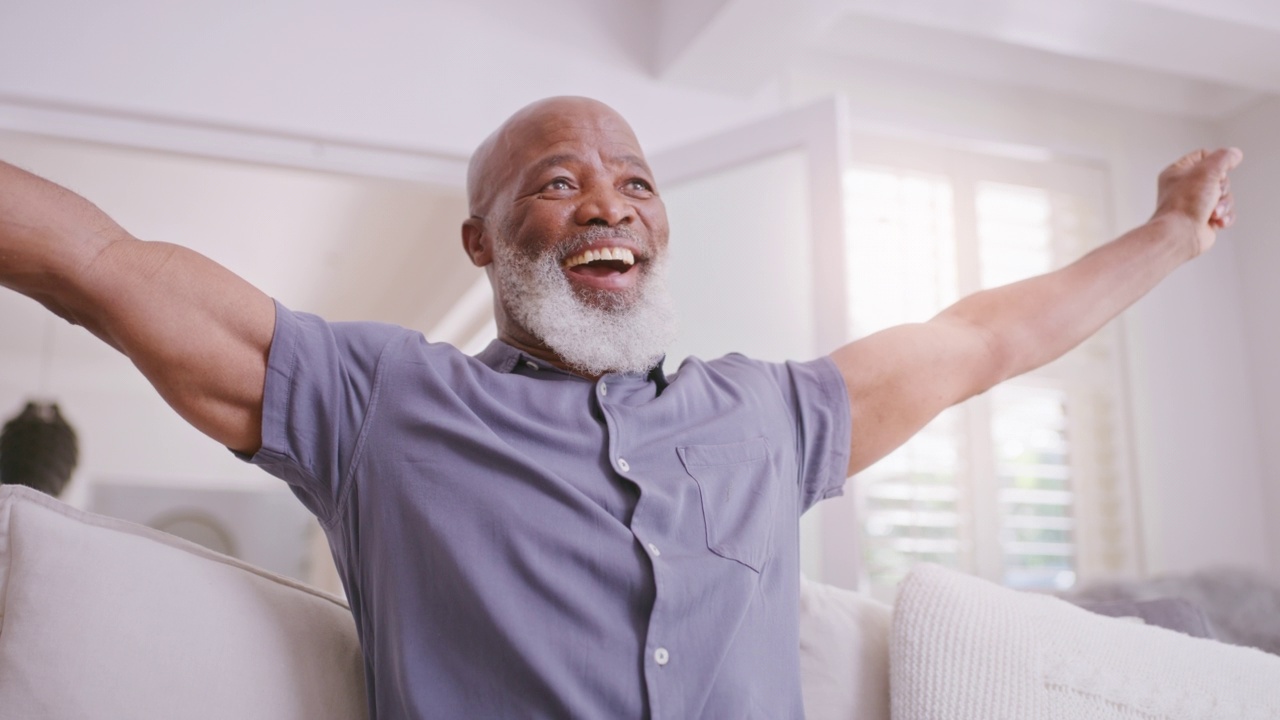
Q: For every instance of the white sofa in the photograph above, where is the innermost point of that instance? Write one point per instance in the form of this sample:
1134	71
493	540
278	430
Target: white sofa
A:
105	619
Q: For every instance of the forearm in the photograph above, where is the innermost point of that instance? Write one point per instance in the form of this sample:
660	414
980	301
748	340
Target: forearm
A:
901	378
49	238
1030	323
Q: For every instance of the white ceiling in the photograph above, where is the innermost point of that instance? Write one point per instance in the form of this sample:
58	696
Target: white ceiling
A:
433	76
1197	58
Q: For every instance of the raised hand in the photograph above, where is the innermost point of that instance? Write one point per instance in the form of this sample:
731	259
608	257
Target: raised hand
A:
1197	189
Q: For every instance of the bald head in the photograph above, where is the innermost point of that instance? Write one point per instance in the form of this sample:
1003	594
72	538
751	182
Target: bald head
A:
518	141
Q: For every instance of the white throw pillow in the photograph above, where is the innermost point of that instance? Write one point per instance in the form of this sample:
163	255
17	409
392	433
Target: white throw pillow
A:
104	619
844	654
967	649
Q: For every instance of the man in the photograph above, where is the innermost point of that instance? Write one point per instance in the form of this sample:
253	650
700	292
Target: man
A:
554	528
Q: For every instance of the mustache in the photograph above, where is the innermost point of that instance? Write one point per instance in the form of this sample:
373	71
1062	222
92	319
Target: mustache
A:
580	240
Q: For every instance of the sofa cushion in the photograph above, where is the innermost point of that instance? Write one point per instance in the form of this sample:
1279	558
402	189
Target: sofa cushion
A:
107	619
1169	613
844	654
980	651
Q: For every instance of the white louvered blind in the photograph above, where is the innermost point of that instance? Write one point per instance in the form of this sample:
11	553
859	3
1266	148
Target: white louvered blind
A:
1027	485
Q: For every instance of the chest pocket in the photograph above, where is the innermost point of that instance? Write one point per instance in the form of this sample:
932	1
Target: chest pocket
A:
737	497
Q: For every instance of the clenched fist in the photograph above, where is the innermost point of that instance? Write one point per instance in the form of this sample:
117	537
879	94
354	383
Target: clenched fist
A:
1197	190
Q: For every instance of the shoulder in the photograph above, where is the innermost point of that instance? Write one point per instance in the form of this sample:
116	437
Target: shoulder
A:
307	328
736	366
309	339
733	364
733	375
795	386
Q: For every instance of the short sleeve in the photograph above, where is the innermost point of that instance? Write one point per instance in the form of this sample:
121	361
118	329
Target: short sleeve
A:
321	387
819	404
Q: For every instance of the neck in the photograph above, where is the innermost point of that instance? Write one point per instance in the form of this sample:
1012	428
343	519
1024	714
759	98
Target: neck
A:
525	342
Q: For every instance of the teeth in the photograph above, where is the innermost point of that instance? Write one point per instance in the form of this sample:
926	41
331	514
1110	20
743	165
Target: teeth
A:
615	253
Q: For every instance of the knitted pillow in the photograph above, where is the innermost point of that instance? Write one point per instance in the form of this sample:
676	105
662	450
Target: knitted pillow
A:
972	650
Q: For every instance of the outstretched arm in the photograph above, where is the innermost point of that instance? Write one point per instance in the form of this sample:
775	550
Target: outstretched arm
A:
198	332
901	378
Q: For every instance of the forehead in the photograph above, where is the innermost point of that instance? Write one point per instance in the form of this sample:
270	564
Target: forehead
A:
587	135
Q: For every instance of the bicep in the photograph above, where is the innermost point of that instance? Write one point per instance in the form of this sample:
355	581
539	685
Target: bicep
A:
901	378
198	332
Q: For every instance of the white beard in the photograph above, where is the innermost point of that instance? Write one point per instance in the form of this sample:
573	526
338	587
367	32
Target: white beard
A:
624	333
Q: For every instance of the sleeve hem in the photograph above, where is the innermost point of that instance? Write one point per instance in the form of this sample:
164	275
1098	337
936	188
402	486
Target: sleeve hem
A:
838	459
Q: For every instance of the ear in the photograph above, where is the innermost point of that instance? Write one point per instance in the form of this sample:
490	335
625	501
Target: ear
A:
476	242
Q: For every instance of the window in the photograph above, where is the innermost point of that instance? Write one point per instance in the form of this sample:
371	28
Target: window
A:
1028	484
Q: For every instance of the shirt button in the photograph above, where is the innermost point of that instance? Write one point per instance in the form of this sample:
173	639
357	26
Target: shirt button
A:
661	656
654	549
623	465
531	364
604	389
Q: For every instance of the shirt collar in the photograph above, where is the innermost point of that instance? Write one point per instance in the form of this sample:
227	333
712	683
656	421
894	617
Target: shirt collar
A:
504	358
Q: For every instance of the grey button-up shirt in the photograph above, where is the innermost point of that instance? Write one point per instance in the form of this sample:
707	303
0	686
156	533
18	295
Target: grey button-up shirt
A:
518	541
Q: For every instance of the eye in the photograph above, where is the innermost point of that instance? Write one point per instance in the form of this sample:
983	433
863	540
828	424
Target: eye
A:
559	184
639	185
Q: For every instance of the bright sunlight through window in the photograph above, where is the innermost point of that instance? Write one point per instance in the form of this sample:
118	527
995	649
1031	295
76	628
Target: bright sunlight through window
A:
1027	484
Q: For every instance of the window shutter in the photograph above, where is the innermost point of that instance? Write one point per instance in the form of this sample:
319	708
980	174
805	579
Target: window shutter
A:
1028	484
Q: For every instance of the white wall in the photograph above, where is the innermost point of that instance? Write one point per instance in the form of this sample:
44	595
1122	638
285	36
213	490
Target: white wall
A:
1197	446
760	258
1256	239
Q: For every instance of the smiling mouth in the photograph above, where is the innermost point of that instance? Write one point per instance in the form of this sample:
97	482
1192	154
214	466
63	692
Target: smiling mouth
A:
601	262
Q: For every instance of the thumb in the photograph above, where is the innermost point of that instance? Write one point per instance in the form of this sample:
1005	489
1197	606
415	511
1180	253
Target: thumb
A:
1223	160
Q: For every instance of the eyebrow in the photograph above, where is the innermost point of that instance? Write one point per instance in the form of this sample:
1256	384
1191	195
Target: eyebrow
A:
552	160
635	160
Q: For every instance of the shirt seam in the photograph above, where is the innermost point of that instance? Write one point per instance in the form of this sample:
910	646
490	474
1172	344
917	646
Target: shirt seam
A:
295	334
348	480
280	419
792	415
690	464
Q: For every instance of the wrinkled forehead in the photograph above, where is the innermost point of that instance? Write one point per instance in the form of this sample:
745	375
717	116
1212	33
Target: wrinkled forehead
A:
601	139
593	126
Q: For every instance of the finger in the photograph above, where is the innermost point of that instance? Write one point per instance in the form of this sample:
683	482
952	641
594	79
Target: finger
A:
1224	207
1224	213
1225	160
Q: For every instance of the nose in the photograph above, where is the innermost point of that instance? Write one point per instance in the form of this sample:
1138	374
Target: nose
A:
604	205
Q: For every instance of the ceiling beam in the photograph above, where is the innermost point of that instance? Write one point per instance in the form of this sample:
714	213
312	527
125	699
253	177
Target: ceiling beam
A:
858	45
1258	13
1160	35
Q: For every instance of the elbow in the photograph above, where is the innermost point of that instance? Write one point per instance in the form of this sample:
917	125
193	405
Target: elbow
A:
994	359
